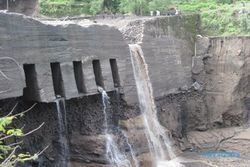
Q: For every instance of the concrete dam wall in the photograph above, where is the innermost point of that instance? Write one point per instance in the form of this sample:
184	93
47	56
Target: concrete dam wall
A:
52	56
44	61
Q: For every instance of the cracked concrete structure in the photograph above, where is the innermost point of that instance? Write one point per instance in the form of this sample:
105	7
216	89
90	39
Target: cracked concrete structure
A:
199	83
65	60
40	46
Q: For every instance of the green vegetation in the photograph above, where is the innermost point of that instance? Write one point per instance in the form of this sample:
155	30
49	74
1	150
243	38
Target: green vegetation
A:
60	8
10	146
219	17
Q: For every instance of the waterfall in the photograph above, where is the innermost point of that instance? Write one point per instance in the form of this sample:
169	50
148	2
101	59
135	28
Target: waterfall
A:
123	133
158	142
62	123
112	151
132	153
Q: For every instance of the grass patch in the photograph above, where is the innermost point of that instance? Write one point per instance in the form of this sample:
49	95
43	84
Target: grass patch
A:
220	18
60	8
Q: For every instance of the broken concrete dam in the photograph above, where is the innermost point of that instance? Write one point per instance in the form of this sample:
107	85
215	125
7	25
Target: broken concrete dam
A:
126	92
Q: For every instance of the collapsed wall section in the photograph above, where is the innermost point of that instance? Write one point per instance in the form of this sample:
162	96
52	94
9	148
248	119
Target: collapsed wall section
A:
198	82
168	46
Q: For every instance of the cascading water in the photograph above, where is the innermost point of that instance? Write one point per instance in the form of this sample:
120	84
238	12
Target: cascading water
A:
132	153
157	140
62	123
112	151
123	133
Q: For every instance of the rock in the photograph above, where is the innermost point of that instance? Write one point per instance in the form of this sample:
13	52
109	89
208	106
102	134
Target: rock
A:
88	148
133	32
145	160
197	86
202	45
132	123
197	64
224	78
211	139
184	88
88	144
81	164
235	115
135	130
201	128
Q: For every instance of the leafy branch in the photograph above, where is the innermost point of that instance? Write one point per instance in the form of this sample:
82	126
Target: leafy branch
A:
9	155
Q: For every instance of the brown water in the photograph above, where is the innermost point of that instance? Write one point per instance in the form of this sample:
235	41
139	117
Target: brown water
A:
158	142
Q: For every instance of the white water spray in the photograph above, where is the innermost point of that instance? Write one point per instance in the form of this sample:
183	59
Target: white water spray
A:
124	134
136	163
62	123
157	140
112	151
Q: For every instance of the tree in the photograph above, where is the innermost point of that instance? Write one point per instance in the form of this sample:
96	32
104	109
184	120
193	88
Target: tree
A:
112	6
96	6
9	155
159	4
9	151
138	7
226	1
107	6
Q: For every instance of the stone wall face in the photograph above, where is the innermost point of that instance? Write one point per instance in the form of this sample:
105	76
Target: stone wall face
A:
168	46
220	95
183	112
167	43
222	67
25	41
198	82
85	122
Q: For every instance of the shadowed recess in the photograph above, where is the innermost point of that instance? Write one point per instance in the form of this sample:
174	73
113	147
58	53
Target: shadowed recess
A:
115	73
57	79
79	77
98	73
32	89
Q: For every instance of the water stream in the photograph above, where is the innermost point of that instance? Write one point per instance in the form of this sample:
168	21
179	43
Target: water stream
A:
158	142
62	123
114	155
132	153
124	133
